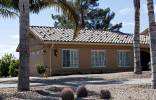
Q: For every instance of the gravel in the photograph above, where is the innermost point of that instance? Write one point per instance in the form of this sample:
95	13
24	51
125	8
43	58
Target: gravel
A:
116	83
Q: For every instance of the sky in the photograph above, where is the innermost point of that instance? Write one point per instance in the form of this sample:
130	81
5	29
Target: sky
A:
124	10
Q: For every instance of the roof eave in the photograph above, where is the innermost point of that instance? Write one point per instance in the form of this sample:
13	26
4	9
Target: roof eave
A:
91	43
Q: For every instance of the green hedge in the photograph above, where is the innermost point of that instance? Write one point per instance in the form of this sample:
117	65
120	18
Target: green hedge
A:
8	66
13	68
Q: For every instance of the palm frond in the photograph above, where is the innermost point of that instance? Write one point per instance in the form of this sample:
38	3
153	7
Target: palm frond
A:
62	5
37	5
7	13
6	9
72	15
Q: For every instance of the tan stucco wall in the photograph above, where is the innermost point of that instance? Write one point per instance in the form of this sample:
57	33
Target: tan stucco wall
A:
40	57
54	63
39	54
85	59
36	56
34	60
47	59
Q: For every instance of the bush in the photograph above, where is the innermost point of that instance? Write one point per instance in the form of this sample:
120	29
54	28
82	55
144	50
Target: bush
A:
67	94
13	68
5	63
105	94
41	69
82	92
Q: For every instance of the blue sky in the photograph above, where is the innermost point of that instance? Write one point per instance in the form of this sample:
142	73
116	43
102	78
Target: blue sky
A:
9	28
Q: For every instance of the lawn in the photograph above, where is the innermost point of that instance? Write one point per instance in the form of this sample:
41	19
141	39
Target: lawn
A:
123	86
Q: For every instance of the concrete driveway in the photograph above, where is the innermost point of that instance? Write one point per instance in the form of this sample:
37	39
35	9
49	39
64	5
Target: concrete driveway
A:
75	80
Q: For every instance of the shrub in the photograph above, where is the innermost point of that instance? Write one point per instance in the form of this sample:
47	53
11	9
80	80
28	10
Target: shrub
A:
5	63
41	69
13	68
82	92
67	94
105	94
4	68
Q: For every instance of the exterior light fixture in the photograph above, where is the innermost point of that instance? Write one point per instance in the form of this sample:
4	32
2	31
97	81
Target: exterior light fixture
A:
55	52
44	51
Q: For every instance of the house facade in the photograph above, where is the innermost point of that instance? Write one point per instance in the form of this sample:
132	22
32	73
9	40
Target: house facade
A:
93	51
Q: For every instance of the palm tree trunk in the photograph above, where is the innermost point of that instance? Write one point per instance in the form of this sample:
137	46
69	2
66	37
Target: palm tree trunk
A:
81	14
23	78
152	31
82	18
136	43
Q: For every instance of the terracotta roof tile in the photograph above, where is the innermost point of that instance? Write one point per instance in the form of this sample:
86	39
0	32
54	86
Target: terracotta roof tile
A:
90	36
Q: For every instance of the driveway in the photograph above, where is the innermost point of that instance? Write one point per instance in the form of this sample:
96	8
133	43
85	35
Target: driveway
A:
76	80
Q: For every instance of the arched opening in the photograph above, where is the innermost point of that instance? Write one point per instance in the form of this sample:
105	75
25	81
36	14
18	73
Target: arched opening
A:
145	61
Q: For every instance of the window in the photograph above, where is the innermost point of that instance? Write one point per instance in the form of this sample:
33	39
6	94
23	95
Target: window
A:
123	58
98	58
70	58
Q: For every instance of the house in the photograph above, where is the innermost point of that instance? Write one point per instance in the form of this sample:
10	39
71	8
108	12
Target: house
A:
145	32
93	51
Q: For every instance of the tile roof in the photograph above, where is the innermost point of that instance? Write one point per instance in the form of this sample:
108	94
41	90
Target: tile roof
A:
51	34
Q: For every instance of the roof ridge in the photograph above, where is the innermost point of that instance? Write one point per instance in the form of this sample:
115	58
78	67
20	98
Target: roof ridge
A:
47	27
81	29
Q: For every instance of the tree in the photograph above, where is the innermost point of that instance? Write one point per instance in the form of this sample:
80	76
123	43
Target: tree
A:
7	11
62	21
11	4
13	68
4	12
101	19
152	31
136	41
23	83
81	7
5	63
91	17
35	6
23	76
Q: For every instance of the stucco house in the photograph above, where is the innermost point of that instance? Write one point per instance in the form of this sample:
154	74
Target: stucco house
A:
93	51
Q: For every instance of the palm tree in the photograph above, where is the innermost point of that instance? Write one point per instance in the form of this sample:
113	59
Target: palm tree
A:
6	12
136	43
152	31
82	7
23	78
23	83
24	8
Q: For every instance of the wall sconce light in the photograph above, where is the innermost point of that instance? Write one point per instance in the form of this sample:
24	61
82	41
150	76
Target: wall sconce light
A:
44	51
55	52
